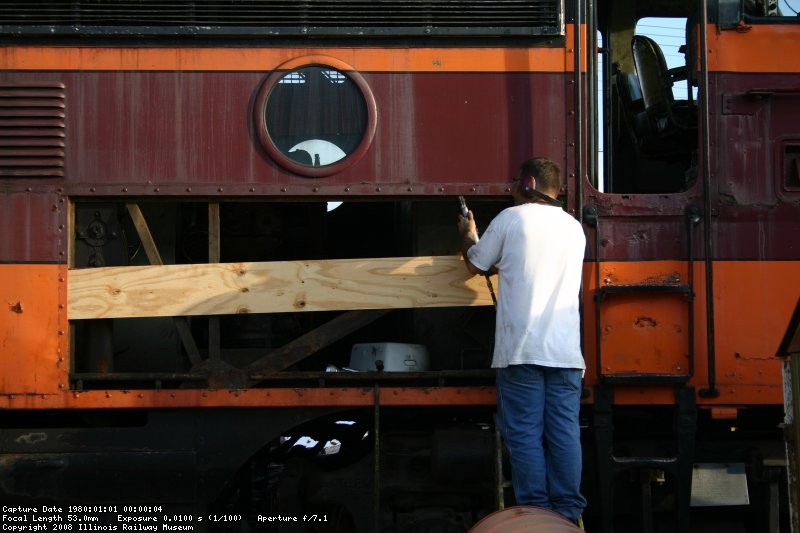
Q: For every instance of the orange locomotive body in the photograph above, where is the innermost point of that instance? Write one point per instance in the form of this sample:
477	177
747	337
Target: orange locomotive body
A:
213	213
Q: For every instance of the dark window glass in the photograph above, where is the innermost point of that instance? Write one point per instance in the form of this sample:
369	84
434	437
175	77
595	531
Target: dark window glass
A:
316	115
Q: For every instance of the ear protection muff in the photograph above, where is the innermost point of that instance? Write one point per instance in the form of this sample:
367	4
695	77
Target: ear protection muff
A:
526	186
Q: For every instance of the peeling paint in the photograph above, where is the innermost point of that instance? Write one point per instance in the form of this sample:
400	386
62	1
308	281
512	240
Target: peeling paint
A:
645	322
32	438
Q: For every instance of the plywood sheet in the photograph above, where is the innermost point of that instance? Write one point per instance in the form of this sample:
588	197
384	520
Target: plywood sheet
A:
274	287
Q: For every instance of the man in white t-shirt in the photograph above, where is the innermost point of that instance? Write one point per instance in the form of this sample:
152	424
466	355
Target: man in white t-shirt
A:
537	249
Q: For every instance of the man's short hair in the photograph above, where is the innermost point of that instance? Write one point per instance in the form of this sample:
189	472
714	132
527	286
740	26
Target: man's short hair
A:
547	174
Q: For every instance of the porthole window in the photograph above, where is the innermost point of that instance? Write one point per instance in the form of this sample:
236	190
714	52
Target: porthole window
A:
315	117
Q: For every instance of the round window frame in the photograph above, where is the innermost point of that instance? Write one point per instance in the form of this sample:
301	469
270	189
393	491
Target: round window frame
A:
260	107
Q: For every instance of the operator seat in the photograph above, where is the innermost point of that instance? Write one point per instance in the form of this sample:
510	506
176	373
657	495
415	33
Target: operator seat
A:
671	123
632	106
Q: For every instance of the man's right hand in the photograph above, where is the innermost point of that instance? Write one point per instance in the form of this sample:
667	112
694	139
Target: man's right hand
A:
467	227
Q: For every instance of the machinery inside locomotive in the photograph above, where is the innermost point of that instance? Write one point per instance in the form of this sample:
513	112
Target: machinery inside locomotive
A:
438	466
114	352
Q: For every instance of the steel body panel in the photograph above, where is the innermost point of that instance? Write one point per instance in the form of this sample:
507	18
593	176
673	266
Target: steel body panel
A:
345	397
755	141
173	133
550	56
641	238
33	330
757	48
756	124
754	116
34	224
739	232
748	326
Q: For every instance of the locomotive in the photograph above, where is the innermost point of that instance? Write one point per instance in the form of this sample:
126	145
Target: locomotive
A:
230	272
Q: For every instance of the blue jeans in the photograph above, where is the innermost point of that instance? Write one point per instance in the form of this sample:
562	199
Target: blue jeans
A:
538	416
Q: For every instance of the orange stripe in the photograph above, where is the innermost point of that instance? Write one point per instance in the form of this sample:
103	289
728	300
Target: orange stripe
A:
33	329
266	59
757	48
538	59
284	397
753	301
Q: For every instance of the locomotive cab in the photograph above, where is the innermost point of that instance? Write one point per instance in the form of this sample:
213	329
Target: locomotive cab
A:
648	109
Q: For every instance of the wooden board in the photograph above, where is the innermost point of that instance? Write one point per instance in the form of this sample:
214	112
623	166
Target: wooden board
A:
314	341
273	287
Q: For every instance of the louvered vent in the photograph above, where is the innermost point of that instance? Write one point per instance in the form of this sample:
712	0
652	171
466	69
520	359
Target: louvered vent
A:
282	17
32	130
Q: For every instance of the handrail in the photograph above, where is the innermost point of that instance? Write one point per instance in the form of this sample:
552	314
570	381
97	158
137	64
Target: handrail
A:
711	391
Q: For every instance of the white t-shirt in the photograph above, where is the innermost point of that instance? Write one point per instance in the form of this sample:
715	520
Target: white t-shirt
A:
538	250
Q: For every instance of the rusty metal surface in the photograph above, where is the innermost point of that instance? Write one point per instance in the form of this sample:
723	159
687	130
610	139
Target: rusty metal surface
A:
174	133
755	194
34	225
751	137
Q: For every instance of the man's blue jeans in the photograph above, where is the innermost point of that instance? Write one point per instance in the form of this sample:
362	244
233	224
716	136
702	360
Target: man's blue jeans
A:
538	415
